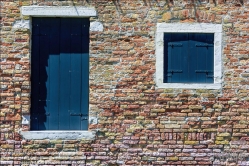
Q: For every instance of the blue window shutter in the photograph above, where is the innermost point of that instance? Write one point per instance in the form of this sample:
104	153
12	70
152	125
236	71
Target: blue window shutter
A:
188	57
176	57
60	72
201	57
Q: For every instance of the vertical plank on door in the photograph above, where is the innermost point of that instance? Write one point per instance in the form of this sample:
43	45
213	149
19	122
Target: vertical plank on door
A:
53	63
85	90
75	74
85	74
35	74
44	77
64	105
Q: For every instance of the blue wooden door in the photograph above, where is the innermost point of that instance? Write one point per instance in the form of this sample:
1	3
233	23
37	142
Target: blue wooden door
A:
60	74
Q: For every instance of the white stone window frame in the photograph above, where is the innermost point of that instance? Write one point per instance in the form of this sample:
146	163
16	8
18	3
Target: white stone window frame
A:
58	11
216	29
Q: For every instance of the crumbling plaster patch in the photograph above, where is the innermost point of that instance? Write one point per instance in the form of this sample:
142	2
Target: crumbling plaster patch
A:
21	24
96	26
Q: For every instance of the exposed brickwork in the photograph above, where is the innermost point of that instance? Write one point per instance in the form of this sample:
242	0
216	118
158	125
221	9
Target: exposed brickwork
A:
138	124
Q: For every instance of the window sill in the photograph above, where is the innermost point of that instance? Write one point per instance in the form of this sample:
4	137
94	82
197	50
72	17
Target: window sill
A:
62	135
189	86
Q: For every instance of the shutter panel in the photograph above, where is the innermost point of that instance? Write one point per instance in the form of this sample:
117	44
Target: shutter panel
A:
196	58
201	57
176	57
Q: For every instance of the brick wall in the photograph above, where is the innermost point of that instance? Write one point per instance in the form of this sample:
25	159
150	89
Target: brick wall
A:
138	124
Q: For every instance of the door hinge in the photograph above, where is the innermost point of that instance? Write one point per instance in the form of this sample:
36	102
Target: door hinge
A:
203	71
76	114
175	44
84	118
204	45
175	71
209	76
